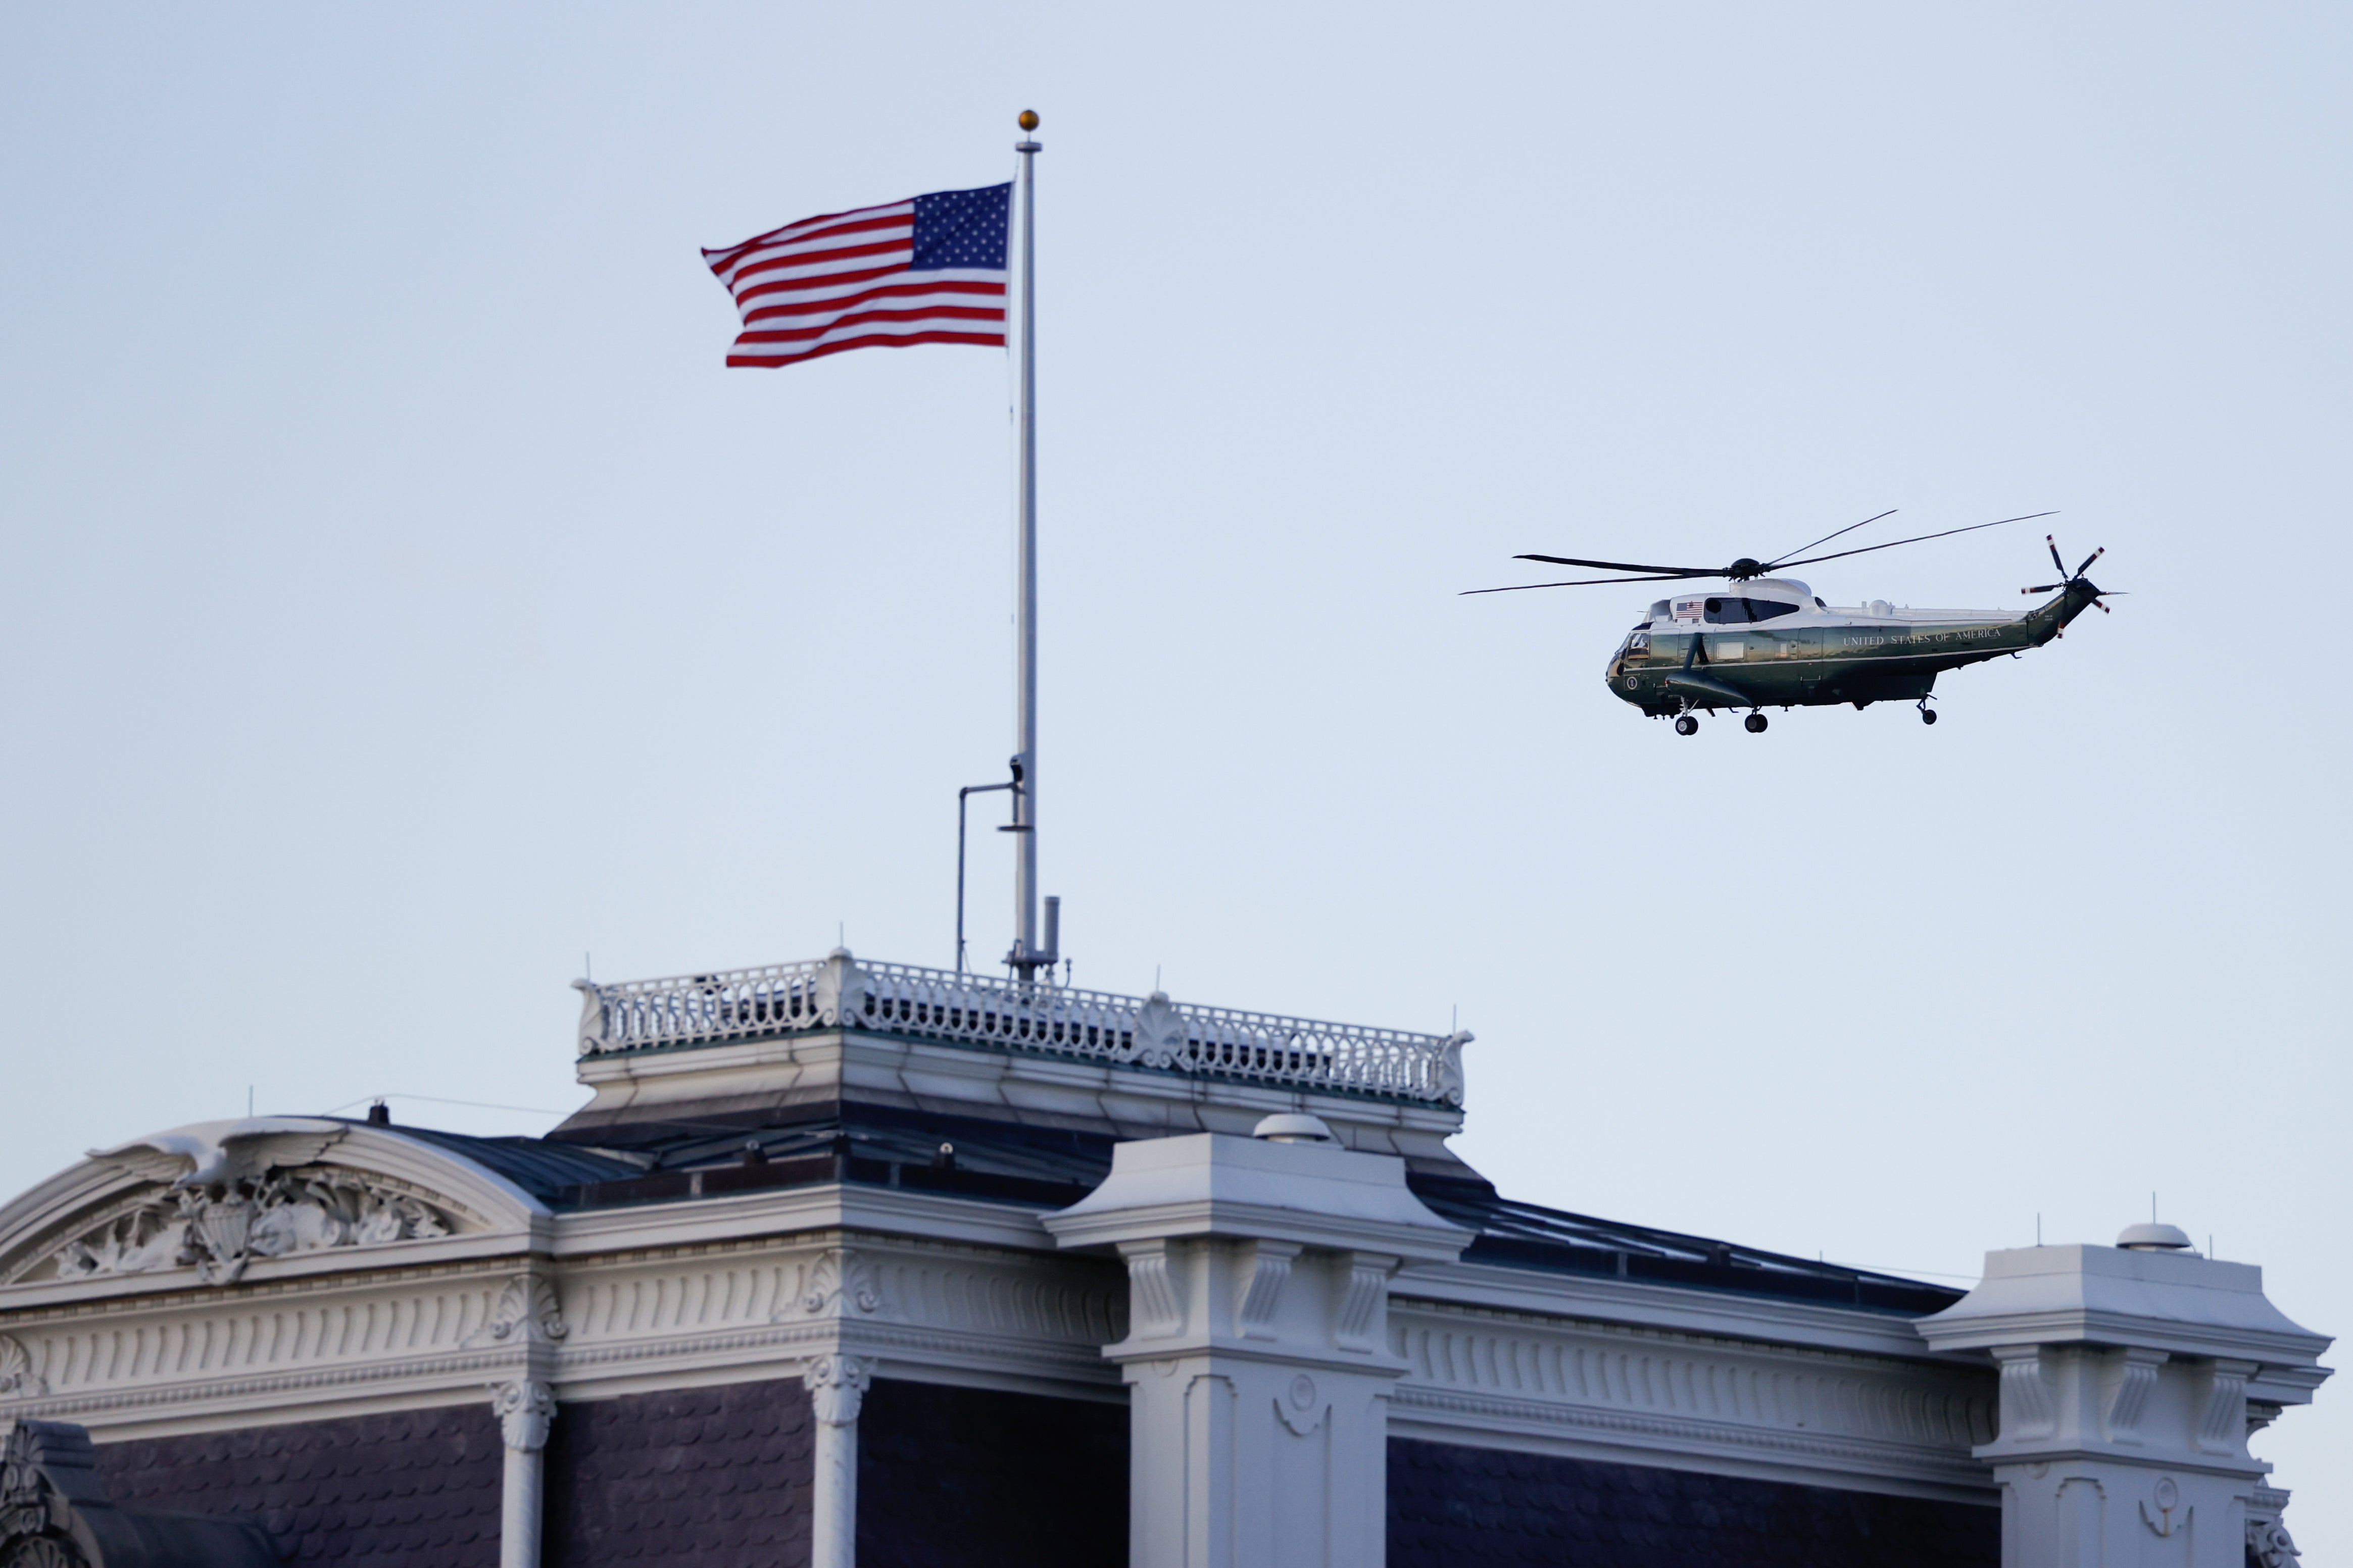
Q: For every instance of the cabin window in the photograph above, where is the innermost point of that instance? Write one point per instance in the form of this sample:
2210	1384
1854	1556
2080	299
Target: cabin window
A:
1739	612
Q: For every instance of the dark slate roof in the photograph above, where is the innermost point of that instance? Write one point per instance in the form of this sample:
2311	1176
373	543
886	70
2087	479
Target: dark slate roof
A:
402	1489
882	1145
1526	1235
1052	1168
1451	1505
715	1477
543	1169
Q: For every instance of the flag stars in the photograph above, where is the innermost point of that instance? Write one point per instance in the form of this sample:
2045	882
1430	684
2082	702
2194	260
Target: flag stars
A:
961	229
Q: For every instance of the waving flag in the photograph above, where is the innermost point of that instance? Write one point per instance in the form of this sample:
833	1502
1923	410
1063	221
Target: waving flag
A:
929	271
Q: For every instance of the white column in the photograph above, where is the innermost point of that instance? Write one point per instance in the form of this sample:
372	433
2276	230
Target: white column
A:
1257	1359
836	1386
524	1409
2126	1377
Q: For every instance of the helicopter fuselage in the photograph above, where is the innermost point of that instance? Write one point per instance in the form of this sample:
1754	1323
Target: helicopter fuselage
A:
1769	642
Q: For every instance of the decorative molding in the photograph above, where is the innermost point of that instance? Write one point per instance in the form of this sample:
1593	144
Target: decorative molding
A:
524	1409
1697	1444
2167	1495
2029	1408
1357	1324
527	1313
1157	1037
221	1229
836	1385
17	1378
24	1495
244	1402
1266	1267
1152	1308
2222	1423
1492	1286
1298	1408
2270	1546
835	1279
1492	1373
1450	1083
2136	1379
362	1339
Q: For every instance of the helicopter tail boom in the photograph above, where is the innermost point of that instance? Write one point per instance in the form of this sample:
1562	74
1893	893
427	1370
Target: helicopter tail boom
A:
2056	614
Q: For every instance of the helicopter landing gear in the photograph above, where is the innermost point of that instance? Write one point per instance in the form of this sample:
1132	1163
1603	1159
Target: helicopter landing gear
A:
1927	714
1754	723
1686	725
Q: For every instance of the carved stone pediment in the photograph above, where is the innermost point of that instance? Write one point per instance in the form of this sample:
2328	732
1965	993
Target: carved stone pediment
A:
220	1228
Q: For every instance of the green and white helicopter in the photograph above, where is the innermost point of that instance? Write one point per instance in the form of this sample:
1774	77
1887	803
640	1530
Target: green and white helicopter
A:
1763	640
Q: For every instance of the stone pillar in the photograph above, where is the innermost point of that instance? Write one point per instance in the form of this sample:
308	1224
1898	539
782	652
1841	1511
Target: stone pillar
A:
2126	1377
1257	1358
524	1409
836	1386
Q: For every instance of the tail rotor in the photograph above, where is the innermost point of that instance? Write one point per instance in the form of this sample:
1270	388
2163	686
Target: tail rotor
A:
2072	579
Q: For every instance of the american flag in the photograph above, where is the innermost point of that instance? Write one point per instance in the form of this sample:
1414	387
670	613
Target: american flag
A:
929	271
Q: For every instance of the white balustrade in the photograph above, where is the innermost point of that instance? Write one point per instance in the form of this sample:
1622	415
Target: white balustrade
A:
839	992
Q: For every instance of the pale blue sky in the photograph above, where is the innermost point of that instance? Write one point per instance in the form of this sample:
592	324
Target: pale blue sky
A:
402	600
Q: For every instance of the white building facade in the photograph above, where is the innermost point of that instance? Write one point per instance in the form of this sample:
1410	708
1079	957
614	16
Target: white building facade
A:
862	1263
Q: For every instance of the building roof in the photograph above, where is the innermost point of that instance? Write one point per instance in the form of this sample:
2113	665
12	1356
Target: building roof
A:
1050	1168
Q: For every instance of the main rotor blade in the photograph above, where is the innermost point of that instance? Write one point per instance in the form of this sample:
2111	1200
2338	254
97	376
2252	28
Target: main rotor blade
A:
2055	553
1626	566
2094	555
1915	539
1849	528
1585	583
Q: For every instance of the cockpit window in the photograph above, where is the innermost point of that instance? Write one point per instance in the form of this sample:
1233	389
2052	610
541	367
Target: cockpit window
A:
1737	612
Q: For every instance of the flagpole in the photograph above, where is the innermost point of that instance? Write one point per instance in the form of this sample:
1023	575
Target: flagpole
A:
1027	956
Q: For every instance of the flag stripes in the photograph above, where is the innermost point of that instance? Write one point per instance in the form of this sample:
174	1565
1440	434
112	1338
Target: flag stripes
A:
927	271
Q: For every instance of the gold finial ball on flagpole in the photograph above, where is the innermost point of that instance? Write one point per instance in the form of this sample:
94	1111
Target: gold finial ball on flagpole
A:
1028	119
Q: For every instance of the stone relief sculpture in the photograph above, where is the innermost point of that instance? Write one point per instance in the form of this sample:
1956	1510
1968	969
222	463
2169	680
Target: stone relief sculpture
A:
2269	1545
527	1313
253	1191
17	1379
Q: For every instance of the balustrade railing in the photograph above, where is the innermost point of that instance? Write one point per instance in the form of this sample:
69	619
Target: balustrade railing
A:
841	991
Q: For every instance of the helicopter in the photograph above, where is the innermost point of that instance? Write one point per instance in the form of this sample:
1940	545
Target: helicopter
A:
1780	646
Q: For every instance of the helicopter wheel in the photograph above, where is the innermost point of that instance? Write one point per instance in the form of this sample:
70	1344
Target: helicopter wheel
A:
1927	714
1756	723
1686	725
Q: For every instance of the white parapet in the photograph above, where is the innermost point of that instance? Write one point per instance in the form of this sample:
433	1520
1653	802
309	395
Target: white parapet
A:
1257	1356
839	992
2131	1377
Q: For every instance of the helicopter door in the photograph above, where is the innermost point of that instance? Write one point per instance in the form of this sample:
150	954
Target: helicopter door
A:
1801	649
